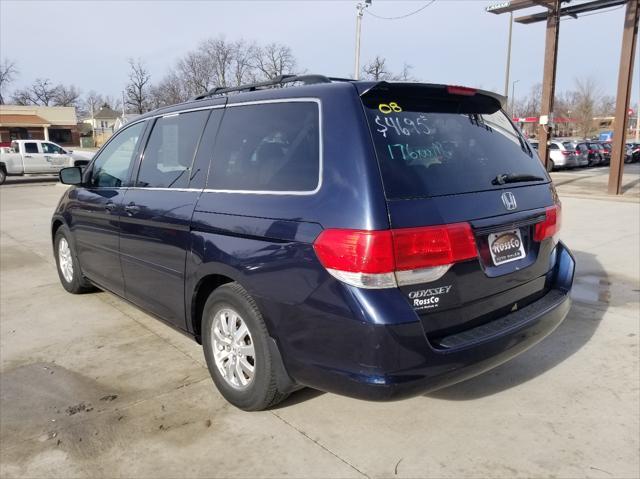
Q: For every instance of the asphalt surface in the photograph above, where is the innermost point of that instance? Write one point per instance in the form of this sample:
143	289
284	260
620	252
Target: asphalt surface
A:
93	387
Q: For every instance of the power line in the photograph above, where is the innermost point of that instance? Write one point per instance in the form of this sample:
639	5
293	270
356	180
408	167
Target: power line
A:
401	16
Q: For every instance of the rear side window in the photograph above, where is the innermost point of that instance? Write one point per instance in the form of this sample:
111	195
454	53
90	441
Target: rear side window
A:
553	146
31	148
170	150
444	145
268	147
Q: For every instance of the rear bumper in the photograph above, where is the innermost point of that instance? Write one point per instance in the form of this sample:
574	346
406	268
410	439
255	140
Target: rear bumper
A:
403	363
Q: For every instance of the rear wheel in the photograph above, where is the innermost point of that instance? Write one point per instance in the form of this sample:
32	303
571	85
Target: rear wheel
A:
236	347
67	264
551	166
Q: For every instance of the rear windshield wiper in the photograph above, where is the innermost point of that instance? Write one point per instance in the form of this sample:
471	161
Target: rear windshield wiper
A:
514	178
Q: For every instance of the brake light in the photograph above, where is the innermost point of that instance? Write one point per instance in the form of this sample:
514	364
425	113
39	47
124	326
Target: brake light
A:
384	259
550	226
460	90
566	153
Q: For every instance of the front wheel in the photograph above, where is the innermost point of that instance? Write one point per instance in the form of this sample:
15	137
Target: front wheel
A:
3	175
67	264
236	346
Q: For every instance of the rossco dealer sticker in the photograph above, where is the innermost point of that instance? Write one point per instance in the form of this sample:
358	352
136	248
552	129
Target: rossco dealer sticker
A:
428	298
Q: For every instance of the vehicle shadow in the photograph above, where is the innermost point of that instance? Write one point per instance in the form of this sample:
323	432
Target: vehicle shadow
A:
591	298
25	180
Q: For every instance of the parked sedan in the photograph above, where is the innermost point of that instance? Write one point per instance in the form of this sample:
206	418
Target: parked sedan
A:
563	156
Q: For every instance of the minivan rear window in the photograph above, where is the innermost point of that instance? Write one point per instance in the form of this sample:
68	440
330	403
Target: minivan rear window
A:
444	146
270	147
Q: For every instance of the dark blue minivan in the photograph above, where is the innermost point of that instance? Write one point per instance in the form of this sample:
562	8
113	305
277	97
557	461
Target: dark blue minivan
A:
368	238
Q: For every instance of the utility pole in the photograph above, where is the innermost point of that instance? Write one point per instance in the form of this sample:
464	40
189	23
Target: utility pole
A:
549	81
629	37
508	69
360	7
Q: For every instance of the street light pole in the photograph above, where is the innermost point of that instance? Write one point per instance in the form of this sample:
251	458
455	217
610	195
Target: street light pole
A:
513	97
508	68
360	7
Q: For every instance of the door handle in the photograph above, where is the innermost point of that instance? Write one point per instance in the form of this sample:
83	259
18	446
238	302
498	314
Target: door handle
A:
132	209
28	156
110	206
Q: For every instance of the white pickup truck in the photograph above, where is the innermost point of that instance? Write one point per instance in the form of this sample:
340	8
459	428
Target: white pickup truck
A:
37	157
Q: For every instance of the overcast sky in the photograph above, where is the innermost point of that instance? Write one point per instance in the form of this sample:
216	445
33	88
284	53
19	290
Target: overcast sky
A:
87	43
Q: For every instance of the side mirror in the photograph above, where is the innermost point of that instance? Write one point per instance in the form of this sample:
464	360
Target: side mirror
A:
71	175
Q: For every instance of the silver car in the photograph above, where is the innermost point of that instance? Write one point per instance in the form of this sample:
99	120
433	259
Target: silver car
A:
562	155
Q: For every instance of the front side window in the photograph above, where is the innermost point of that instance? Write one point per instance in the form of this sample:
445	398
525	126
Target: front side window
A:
268	147
51	148
31	148
111	168
170	150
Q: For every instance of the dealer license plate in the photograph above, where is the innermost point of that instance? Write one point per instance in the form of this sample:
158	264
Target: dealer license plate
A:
506	246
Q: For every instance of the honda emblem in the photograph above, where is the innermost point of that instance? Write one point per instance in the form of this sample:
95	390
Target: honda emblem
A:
509	201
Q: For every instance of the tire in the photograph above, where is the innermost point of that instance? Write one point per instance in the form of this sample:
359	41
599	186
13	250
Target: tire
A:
551	166
3	175
71	278
260	392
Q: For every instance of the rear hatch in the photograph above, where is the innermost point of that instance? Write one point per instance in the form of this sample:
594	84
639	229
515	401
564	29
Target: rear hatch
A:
468	200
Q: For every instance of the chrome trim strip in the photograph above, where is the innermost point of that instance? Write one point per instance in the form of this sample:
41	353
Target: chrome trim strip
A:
320	150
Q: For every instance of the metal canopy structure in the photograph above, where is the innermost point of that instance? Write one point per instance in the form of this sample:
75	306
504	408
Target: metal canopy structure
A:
554	11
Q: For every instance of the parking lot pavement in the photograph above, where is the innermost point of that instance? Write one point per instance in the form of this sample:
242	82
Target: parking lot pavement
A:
592	182
92	387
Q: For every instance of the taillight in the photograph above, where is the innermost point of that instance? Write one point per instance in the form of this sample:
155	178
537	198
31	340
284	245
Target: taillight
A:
566	153
550	226
385	259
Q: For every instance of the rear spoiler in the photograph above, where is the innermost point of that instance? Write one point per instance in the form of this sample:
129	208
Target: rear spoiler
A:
366	88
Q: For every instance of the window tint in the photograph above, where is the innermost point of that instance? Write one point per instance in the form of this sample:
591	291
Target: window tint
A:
268	147
427	147
111	168
553	146
31	148
170	150
51	148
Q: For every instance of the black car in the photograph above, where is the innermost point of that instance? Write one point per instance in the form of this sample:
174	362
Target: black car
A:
373	239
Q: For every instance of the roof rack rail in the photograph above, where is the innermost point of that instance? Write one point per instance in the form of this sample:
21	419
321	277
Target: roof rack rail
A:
279	80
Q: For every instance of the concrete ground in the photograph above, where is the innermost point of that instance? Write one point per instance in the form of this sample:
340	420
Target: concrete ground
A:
92	387
593	182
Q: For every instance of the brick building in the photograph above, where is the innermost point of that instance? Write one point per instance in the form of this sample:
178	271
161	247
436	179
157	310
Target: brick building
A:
54	123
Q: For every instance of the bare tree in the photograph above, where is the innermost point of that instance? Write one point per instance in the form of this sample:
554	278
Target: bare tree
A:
113	102
66	96
137	90
405	73
220	54
607	106
243	71
273	60
92	102
587	95
196	72
169	91
8	73
41	92
376	69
